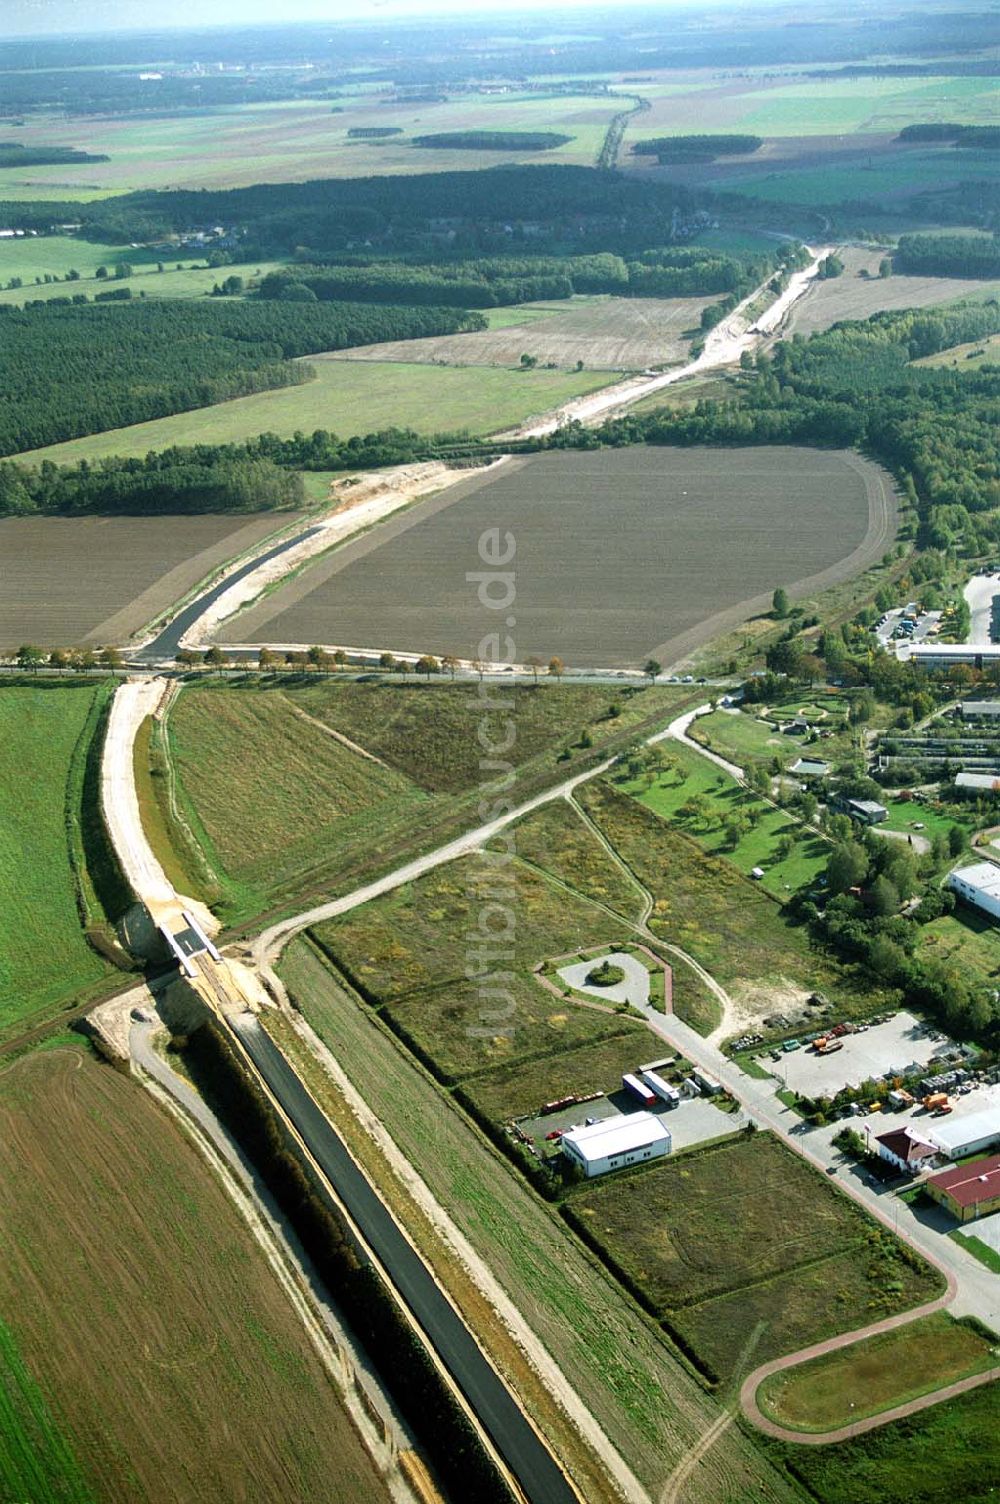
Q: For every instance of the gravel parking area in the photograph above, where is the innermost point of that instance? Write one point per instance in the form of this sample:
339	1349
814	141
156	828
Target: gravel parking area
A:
633	989
882	1050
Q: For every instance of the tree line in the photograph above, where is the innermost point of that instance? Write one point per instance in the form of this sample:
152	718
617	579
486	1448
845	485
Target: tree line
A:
568	205
492	140
490	282
69	371
948	256
680	149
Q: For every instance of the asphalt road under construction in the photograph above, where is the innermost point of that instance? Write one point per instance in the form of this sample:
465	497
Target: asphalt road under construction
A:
515	1439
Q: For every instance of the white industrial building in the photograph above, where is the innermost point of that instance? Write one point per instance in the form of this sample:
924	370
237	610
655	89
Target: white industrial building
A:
978	710
956	1136
947	654
616	1142
979	885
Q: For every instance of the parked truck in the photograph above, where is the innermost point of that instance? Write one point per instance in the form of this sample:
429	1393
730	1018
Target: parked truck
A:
639	1089
936	1100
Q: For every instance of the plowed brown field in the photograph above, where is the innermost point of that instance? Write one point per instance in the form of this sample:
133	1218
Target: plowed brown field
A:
73	580
619	555
146	1311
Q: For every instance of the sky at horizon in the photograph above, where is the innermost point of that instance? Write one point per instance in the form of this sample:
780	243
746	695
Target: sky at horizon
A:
23	18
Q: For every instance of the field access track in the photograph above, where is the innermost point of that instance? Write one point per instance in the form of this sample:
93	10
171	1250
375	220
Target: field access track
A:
526	1455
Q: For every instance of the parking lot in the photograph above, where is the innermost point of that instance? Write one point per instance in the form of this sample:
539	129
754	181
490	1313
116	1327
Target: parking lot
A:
692	1121
882	1050
890	628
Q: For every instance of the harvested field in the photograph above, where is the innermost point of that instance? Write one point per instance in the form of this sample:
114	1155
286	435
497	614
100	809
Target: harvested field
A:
605	333
75	580
120	1242
349	399
45	958
620	554
745	1243
851	296
295	140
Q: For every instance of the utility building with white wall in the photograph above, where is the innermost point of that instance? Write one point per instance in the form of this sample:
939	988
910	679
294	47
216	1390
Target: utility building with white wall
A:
978	885
616	1142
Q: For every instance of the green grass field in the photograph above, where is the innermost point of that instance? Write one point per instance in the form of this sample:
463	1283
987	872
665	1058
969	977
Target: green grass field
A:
426	933
890	176
558	840
350	397
876	1374
700	798
966	357
284	812
55	255
36	1460
743	737
949	1452
707	1238
715	913
964	939
430	733
45	960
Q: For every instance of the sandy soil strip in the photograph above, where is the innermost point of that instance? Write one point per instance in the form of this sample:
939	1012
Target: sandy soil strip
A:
369	500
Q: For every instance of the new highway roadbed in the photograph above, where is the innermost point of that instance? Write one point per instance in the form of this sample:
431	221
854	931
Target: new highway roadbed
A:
517	1442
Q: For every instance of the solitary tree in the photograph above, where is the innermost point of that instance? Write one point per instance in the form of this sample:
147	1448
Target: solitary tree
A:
187	657
653	669
779	603
215	657
450	662
28	656
111	658
427	665
387	661
956	840
479	666
266	660
556	667
534	664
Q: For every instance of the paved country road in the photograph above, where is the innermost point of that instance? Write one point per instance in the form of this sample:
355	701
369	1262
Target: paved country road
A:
524	1452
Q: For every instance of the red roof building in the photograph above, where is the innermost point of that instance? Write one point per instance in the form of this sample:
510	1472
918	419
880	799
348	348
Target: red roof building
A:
968	1191
905	1148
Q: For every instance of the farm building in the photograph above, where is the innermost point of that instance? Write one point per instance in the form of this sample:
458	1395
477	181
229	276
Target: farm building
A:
980	710
905	1149
984	781
979	885
616	1142
810	767
865	811
968	1191
958	1136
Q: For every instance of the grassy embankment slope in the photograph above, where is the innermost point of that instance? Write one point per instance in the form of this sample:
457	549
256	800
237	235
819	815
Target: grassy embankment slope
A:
58	870
286	812
121	1243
